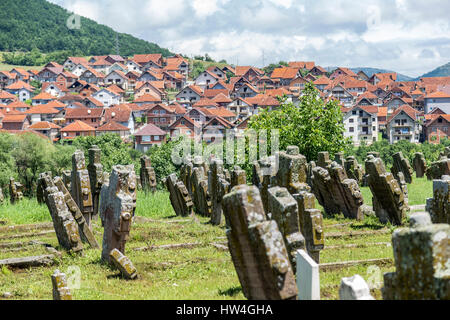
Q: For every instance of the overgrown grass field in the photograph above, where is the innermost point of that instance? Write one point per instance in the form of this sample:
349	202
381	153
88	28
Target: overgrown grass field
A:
200	272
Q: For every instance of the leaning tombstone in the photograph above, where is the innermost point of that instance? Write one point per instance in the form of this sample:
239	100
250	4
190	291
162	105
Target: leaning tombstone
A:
323	159
15	191
61	290
257	247
339	158
283	209
421	255
388	198
218	188
354	288
95	169
81	186
147	175
67	179
199	189
439	205
308	280
419	165
124	264
292	171
353	169
401	164
179	196
117	207
264	172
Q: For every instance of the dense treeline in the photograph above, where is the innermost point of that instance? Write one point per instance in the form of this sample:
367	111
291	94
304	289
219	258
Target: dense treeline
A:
34	58
29	24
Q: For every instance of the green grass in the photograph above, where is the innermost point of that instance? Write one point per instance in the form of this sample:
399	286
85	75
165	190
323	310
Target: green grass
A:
202	272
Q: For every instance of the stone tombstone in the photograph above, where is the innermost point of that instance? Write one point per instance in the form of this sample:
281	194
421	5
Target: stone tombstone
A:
340	158
179	196
199	188
308	279
419	165
354	288
401	164
218	188
403	185
422	257
186	173
124	264
85	231
264	172
40	197
67	179
147	175
257	247
238	177
292	171
310	174
438	169
336	193
66	227
61	290
373	154
95	169
323	159
81	186
283	209
15	191
388	198
439	205
311	224
353	169
117	207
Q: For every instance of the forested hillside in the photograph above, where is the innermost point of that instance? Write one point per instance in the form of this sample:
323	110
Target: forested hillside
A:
29	24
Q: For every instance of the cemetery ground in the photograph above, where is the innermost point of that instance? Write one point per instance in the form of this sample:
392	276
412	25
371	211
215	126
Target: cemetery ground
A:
199	268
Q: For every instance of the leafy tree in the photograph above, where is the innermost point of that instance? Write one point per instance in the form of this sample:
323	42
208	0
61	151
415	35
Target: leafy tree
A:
313	126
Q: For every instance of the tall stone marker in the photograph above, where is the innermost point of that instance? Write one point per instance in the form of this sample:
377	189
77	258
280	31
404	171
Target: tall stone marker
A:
218	188
422	258
147	175
117	206
438	169
308	279
81	186
419	165
257	247
401	164
292	171
439	205
179	196
15	191
95	169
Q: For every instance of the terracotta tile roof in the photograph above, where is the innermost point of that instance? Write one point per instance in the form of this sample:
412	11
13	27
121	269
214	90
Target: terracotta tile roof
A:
284	73
78	60
205	102
222	112
412	113
147	98
14	118
71	97
7	95
94	101
115	88
437	94
113	126
119	113
323	80
302	65
145	58
77	126
211	93
263	100
150	130
42	109
177	108
19	85
221	98
44	125
221	120
59	85
277	92
84	113
431	118
44	96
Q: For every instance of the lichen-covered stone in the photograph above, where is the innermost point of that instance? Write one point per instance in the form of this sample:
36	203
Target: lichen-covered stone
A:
67	179
401	164
419	165
438	169
323	159
147	175
439	205
353	169
15	191
422	256
292	171
61	290
124	264
117	207
81	186
218	188
238	177
339	158
179	196
388	198
95	170
257	247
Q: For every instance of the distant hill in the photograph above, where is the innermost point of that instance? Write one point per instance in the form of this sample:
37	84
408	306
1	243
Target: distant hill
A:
371	71
442	71
28	24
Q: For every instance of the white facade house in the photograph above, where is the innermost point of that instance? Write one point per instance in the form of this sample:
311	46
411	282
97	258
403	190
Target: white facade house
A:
78	69
118	78
205	79
190	94
403	125
439	100
361	124
107	97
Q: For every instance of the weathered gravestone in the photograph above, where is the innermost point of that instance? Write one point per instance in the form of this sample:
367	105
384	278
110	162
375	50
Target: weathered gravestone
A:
323	159
95	169
308	280
310	174
40	191
186	174
84	230
438	169
15	191
439	205
238	177
179	196
388	198
311	224
117	207
292	171
147	175
67	179
66	227
264	173
422	258
354	288
124	264
61	290
419	165
336	193
339	158
81	186
257	247
401	164
353	169
199	188
283	209
218	188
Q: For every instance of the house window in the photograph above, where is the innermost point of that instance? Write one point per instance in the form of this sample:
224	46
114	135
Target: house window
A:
351	121
352	129
156	138
146	138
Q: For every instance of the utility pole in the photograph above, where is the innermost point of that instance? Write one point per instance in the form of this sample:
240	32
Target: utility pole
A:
117	45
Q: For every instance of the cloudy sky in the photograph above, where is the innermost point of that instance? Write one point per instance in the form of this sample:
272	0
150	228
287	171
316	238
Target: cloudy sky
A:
408	36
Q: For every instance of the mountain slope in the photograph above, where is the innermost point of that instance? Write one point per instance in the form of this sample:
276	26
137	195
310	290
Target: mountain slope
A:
28	24
442	71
